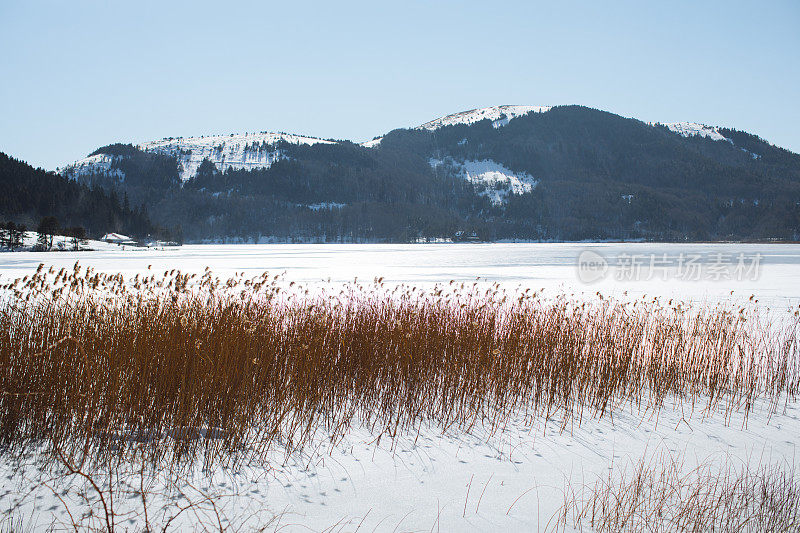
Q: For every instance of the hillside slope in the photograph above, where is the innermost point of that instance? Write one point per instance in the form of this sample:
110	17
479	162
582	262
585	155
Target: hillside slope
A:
506	172
29	193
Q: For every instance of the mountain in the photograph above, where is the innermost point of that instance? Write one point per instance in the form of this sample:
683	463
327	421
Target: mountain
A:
505	172
236	151
30	194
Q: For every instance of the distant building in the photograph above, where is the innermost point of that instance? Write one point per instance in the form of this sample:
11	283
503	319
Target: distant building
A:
118	238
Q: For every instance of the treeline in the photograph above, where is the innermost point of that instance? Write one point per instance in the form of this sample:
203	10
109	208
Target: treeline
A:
29	194
12	235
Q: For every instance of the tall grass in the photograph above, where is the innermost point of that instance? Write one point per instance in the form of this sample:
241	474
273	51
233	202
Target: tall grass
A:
95	363
660	495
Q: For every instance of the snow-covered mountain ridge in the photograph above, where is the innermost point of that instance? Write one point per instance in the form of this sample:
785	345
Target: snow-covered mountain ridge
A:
693	129
503	114
243	151
93	164
250	151
499	115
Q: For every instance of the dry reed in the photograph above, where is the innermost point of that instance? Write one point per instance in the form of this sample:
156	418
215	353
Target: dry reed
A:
660	495
93	363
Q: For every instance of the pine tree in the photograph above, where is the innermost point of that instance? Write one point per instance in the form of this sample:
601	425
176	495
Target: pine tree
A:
5	234
77	237
17	233
47	229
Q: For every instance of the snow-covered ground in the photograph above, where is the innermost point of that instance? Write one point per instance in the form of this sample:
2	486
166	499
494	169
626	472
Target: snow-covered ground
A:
493	180
509	480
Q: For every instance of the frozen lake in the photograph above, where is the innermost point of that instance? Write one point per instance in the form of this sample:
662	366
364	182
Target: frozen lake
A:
700	272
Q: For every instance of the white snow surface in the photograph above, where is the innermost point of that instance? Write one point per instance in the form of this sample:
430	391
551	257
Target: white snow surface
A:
693	129
511	480
246	151
499	115
492	178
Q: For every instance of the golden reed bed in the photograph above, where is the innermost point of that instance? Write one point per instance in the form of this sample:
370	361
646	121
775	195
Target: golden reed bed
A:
94	362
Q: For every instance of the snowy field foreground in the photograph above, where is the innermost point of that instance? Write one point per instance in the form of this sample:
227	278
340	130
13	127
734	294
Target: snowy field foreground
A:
513	480
432	478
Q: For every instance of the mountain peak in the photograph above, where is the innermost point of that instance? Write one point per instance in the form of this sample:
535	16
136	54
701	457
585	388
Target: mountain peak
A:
499	115
694	129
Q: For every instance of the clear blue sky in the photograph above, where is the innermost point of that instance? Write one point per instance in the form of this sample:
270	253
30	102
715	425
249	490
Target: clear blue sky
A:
77	75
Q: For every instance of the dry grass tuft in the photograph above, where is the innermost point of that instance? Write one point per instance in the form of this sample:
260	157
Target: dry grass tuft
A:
96	364
658	495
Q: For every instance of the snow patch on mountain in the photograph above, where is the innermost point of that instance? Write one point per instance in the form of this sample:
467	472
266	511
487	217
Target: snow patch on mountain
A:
243	151
373	143
499	115
490	178
694	129
246	151
94	164
753	155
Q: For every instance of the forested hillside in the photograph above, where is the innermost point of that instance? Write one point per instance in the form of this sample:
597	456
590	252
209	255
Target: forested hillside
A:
30	194
563	173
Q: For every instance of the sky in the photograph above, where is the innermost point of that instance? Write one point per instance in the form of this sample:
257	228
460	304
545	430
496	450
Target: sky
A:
76	75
